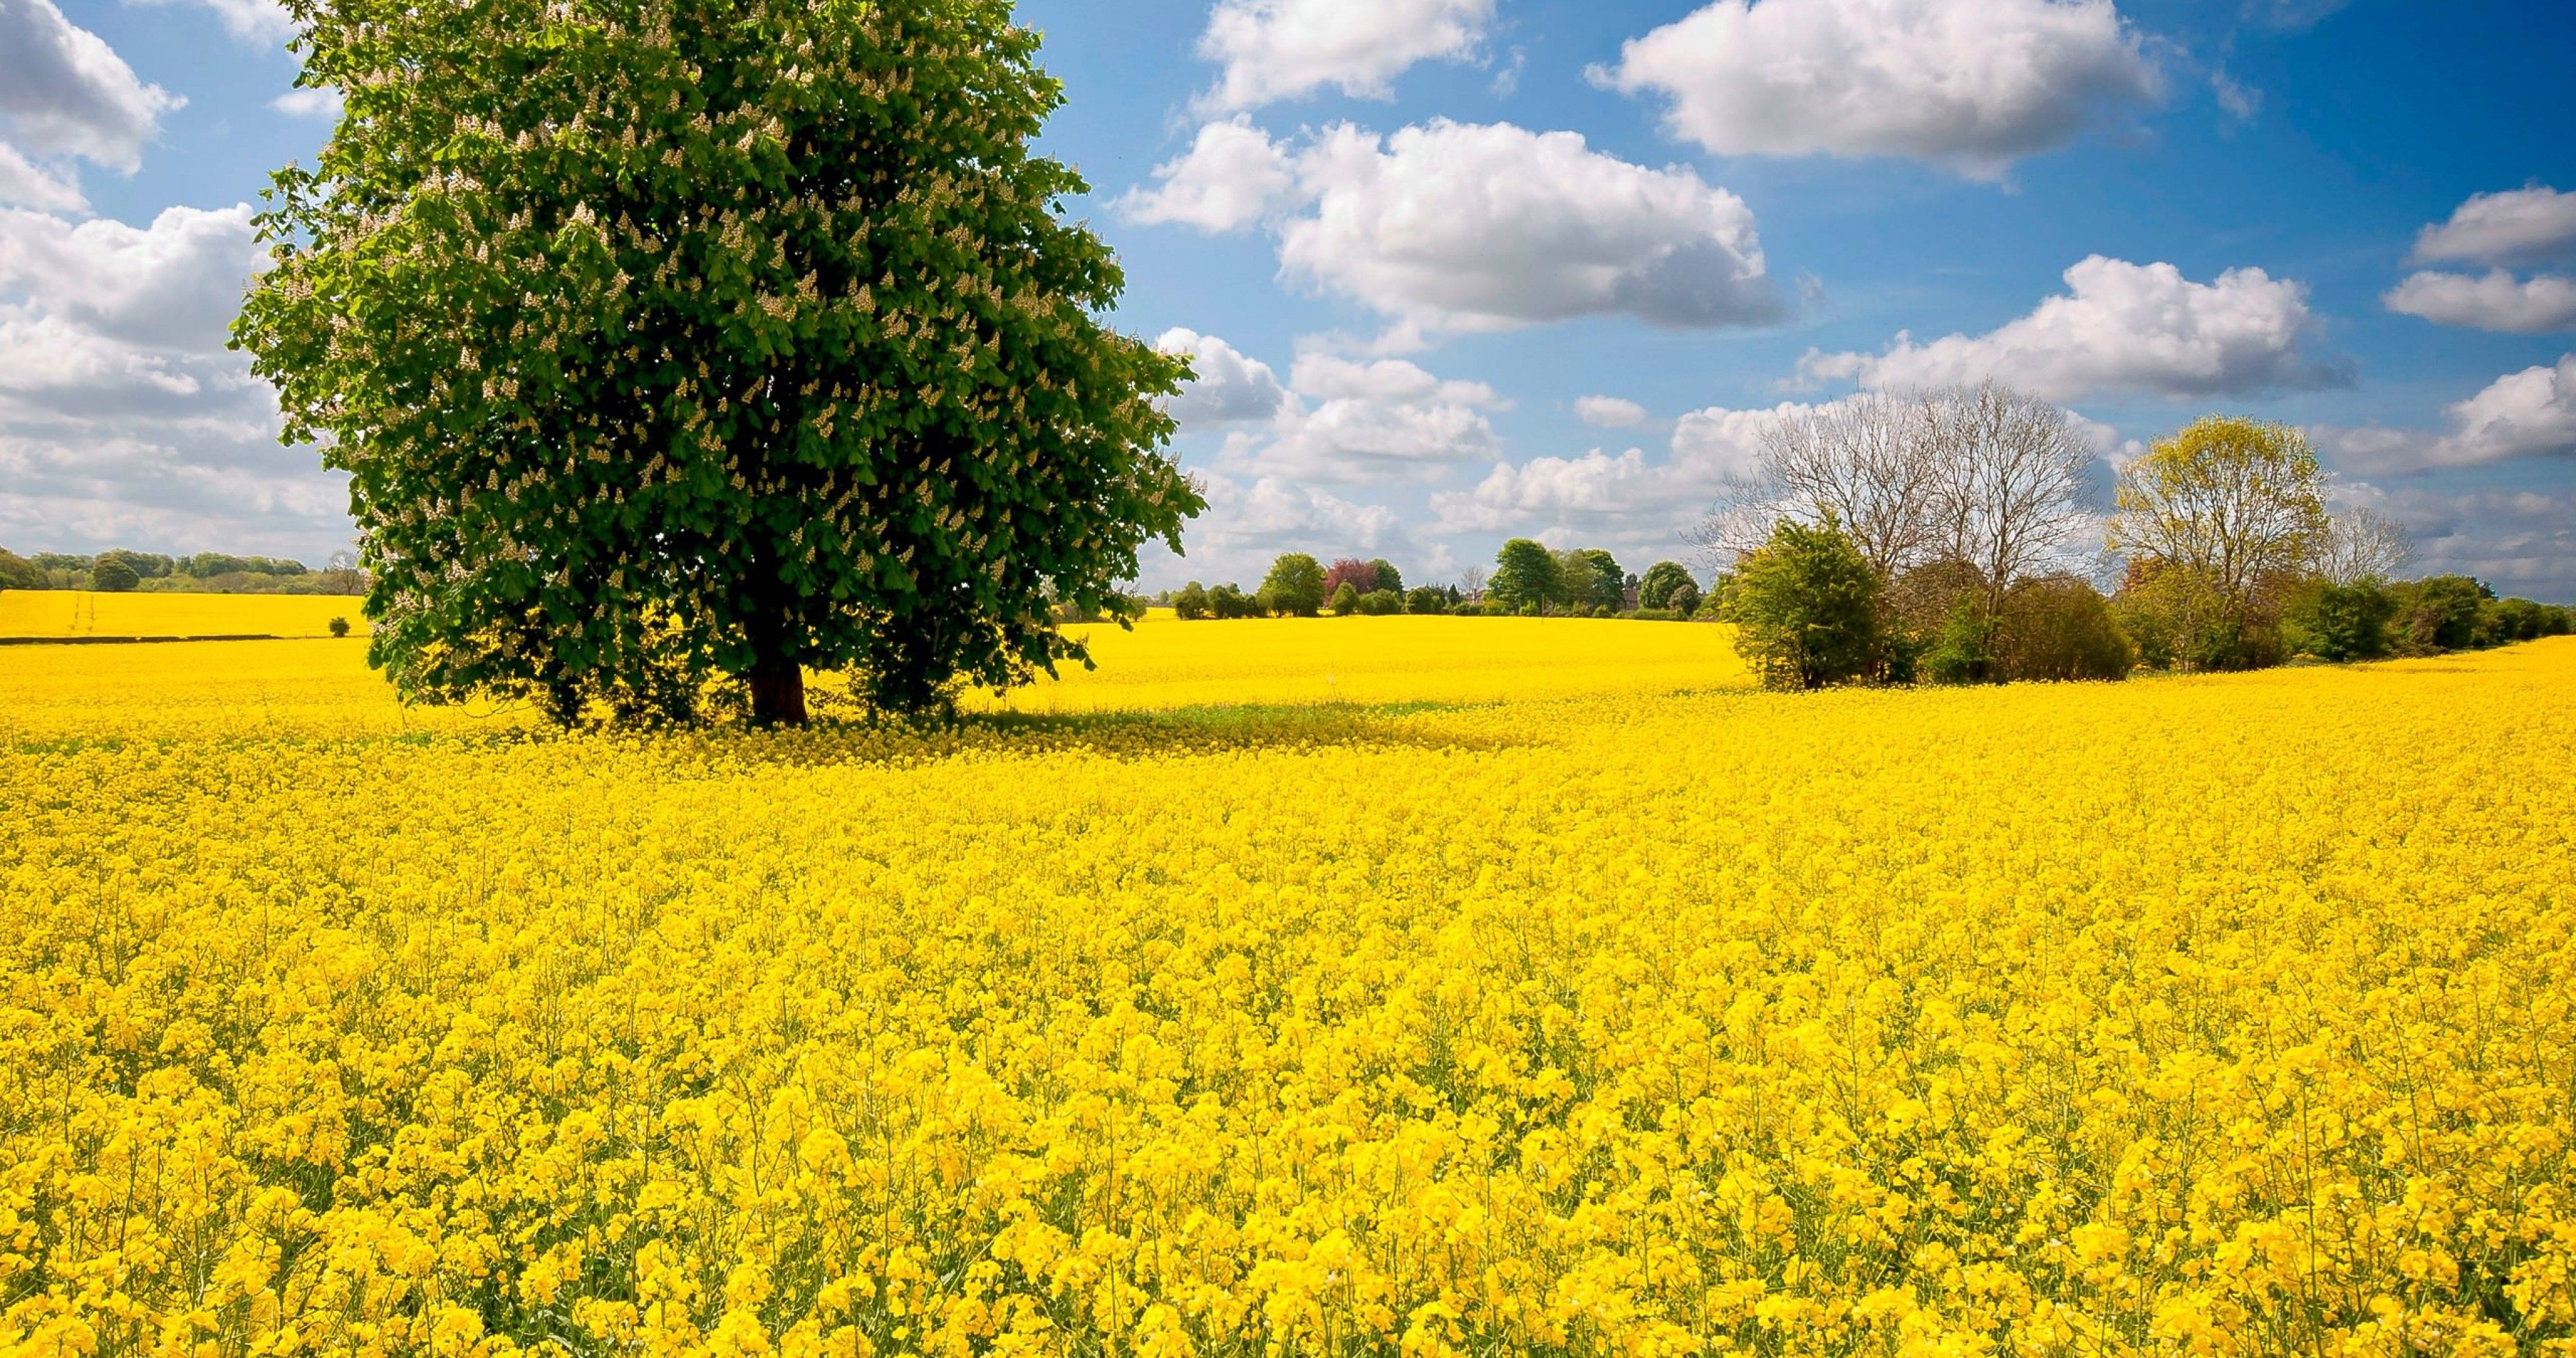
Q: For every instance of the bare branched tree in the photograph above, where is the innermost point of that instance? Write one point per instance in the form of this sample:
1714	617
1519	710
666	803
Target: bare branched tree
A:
1863	460
2364	545
2010	473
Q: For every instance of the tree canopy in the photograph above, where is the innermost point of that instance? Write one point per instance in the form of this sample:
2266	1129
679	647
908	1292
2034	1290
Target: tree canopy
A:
1662	581
1805	606
668	341
1525	575
1295	585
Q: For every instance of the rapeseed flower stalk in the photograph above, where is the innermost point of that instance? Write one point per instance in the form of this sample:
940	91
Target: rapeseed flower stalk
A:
1639	1017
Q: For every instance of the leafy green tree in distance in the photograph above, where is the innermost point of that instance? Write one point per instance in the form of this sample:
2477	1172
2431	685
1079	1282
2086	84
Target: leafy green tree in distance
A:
2440	612
17	572
1591	578
1295	585
1525	575
1662	579
2339	622
113	576
1191	603
2214	517
670	339
1389	579
1346	599
1805	607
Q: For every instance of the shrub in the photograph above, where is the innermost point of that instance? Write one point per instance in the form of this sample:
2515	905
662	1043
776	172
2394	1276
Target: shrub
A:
1958	652
1191	603
111	575
2058	628
1807	603
1295	586
2440	613
2180	620
1425	599
2338	622
2502	622
339	627
1229	601
1684	600
1381	603
1346	600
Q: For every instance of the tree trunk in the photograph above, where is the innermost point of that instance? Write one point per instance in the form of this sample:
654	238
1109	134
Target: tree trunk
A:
778	695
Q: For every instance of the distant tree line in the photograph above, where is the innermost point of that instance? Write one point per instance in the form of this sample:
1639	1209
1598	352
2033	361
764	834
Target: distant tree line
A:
120	571
1902	539
1528	580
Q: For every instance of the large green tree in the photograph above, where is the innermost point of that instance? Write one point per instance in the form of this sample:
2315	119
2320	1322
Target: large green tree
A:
1662	581
669	341
1525	575
1805	606
1588	577
2222	516
1295	585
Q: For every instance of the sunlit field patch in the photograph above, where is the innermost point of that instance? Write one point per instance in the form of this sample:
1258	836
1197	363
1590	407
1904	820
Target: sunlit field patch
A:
82	613
1165	663
1635	1013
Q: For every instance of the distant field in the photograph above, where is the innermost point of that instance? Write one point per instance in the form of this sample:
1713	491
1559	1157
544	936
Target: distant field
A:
81	613
1166	663
1408	988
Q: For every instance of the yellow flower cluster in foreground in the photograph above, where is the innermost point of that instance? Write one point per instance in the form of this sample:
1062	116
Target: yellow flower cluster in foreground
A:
2220	1016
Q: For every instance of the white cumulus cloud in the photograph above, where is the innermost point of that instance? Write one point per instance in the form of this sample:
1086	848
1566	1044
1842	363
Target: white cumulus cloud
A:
308	103
1461	227
1348	421
2493	301
123	419
24	181
1228	388
1625	499
1475	227
65	92
1233	176
1250	521
2503	228
1609	412
1287	49
1973	85
2119	327
2531	413
175	284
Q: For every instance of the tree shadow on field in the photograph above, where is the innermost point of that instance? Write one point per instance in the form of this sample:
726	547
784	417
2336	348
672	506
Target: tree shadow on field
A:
1182	732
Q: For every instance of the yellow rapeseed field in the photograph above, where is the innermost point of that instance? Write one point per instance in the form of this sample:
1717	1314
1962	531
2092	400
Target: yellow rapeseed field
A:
1556	996
81	613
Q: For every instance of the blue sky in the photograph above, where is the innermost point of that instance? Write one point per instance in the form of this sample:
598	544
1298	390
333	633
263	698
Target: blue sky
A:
1429	318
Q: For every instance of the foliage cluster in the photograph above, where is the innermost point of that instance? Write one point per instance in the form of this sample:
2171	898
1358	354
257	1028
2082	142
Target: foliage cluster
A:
675	348
2233	561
